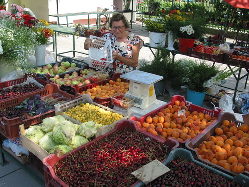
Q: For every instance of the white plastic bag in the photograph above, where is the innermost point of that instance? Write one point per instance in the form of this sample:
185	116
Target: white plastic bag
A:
226	103
16	147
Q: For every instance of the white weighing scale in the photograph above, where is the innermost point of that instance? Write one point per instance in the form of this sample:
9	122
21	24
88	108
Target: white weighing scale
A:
141	87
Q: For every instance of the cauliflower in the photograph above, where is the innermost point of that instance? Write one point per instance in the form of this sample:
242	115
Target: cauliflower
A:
34	133
49	123
46	142
88	129
64	148
77	141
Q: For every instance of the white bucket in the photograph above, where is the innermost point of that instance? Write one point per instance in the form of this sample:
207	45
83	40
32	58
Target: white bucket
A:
157	39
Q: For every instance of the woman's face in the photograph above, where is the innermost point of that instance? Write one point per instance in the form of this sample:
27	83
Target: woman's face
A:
118	28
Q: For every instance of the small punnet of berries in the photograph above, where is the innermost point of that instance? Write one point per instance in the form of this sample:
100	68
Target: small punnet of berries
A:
121	101
186	173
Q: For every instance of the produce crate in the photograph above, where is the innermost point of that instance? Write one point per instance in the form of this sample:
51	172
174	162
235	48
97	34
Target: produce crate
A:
187	155
60	108
36	162
123	127
33	147
39	82
211	132
236	62
213	113
10	127
75	88
211	57
78	65
103	101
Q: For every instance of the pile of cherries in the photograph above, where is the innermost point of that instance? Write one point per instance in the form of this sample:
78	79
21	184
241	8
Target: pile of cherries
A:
110	160
187	173
18	90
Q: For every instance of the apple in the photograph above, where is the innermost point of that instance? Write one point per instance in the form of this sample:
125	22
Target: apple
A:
45	67
66	75
66	64
73	65
49	66
80	84
45	71
56	77
68	82
87	81
75	82
63	68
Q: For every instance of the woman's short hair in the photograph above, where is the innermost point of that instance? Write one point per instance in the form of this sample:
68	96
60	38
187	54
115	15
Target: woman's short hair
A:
120	17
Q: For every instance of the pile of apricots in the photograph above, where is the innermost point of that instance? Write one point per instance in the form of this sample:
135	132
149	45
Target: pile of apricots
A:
228	147
177	122
109	89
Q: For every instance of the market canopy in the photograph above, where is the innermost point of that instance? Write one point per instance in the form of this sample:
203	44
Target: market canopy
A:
239	3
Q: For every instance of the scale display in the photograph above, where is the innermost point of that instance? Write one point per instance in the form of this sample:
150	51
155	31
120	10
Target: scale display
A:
141	87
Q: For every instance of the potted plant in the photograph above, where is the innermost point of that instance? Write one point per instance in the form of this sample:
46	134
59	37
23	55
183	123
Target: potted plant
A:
17	42
196	88
156	30
184	26
174	72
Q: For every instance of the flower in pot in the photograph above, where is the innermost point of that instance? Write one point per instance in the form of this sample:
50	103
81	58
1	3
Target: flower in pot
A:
185	25
156	30
17	43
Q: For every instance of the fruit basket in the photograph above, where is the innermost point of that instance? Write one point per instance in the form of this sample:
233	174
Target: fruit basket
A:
83	109
9	127
193	173
224	146
178	119
21	86
116	148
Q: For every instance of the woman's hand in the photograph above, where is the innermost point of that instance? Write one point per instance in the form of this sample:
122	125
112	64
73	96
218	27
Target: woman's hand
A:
115	55
87	43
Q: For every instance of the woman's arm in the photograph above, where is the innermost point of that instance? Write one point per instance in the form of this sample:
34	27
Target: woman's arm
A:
133	62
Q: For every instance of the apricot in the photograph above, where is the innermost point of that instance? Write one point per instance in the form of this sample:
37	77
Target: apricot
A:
227	166
244	128
218	131
220	156
232	159
237	168
238	143
243	160
148	119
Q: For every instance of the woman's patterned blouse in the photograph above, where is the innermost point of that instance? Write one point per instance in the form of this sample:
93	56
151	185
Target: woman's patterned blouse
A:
124	49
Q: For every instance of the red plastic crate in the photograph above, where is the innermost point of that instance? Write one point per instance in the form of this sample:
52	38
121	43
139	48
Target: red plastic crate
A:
191	107
10	127
211	132
126	125
20	81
